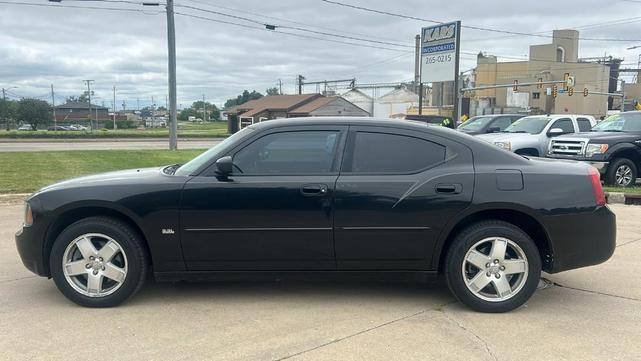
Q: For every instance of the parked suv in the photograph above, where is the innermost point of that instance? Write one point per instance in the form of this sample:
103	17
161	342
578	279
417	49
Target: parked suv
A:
531	135
492	123
613	146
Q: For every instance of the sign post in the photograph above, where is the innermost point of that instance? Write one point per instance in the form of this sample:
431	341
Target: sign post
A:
440	48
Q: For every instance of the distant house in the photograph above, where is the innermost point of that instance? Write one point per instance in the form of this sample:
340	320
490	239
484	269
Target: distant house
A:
360	99
289	106
73	111
395	103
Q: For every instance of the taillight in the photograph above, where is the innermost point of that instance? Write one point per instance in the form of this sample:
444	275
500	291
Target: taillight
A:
595	178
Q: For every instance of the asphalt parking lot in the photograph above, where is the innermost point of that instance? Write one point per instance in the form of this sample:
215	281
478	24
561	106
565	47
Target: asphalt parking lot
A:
587	314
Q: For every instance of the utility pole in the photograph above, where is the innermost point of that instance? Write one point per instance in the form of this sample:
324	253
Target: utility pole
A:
88	81
622	95
114	107
300	83
204	109
171	47
417	60
280	87
53	106
138	105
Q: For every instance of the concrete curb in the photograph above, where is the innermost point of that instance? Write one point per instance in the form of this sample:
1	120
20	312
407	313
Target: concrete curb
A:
623	198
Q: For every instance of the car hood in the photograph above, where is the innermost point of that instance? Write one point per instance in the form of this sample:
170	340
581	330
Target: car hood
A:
604	136
507	137
122	177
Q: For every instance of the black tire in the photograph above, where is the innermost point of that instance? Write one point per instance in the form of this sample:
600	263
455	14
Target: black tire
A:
131	245
478	232
611	174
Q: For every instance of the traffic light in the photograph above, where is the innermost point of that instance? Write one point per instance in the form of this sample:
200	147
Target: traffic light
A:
516	85
570	91
585	92
555	91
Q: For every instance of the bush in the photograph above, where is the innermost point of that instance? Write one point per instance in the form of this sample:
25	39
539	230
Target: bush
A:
120	124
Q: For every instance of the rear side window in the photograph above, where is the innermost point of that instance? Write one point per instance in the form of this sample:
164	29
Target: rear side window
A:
392	153
584	124
565	124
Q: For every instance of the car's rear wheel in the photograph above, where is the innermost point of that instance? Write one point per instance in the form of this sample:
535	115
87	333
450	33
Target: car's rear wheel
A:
493	266
622	173
98	262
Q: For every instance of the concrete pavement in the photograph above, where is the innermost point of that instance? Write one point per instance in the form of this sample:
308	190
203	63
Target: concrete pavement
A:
586	314
39	145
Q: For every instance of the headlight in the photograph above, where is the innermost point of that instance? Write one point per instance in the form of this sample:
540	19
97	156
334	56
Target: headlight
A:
592	149
504	145
28	215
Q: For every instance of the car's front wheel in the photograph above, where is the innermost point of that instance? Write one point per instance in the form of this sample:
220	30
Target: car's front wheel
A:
493	266
98	262
622	172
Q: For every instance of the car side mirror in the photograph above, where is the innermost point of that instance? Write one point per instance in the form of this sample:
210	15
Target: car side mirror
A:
555	131
224	166
493	130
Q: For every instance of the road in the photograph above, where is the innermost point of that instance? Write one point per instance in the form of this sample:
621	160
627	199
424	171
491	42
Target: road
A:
587	314
39	145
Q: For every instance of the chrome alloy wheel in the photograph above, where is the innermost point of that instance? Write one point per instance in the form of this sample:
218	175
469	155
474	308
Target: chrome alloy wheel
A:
495	269
91	271
623	175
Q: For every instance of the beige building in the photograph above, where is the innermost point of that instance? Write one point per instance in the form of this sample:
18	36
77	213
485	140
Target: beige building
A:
549	62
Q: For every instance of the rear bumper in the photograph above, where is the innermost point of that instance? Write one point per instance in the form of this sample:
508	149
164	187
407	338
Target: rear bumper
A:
581	239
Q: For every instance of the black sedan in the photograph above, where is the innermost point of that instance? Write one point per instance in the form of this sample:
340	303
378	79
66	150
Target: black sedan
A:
330	197
492	123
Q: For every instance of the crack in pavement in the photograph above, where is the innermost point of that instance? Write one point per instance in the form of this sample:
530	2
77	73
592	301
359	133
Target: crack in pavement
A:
623	244
17	279
364	331
467	330
596	292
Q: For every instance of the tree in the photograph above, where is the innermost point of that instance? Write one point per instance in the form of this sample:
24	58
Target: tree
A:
82	98
33	111
196	110
272	91
243	98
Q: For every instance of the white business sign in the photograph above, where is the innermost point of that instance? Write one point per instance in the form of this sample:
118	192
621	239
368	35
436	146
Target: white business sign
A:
439	53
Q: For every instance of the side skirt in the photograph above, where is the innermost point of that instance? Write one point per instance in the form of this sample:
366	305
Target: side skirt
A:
314	276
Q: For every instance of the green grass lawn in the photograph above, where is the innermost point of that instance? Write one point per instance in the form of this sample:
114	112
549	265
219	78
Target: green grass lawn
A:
185	130
25	172
623	190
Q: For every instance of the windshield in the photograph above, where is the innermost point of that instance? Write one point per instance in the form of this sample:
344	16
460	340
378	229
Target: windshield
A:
191	166
623	122
476	123
532	125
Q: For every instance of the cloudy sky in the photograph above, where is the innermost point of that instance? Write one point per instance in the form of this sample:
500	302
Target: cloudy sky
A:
44	45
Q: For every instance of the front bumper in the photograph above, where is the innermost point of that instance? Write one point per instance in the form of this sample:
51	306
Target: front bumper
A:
600	165
29	242
581	239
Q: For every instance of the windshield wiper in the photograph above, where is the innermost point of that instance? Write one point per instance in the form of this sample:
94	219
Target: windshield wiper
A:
516	131
612	130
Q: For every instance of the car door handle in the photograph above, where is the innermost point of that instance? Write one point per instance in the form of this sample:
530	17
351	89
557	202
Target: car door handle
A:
449	188
314	189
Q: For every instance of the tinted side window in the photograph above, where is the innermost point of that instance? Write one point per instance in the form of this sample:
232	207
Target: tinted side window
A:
584	124
565	124
302	152
502	122
393	153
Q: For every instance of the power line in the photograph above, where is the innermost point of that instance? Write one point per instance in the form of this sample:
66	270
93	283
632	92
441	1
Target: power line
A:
287	20
464	26
275	26
80	7
287	33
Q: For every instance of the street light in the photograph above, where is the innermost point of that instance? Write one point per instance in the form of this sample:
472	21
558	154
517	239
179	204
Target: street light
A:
4	101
